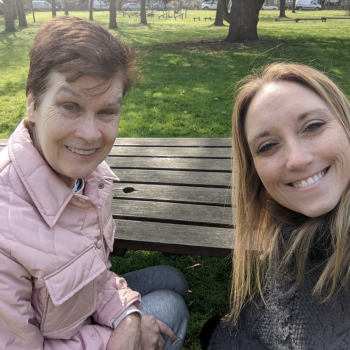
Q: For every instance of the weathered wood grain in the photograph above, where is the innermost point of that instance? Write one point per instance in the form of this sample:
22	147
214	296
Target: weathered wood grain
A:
185	194
181	239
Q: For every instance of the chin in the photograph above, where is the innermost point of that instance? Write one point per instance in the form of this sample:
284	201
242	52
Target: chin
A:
316	212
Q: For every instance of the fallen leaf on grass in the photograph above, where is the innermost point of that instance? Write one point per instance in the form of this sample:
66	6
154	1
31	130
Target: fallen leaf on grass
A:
216	99
189	291
182	92
185	112
195	265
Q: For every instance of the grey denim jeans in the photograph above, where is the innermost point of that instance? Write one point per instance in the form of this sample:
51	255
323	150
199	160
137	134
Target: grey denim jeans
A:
163	289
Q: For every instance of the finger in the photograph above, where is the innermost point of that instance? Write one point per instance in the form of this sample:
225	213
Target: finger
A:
161	342
166	330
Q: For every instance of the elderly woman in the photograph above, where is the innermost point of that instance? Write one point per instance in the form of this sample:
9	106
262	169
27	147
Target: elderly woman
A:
55	209
291	276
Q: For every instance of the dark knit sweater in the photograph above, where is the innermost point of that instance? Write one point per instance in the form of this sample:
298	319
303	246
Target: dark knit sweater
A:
294	319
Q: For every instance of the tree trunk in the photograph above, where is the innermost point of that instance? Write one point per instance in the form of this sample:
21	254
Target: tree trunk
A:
282	8
53	3
22	21
112	14
119	7
219	17
293	9
143	12
13	9
91	10
8	15
66	8
243	19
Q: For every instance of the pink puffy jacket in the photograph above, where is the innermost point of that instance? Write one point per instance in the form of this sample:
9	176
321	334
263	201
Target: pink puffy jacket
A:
54	247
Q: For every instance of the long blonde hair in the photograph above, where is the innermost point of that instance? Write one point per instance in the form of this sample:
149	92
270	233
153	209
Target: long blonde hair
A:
259	218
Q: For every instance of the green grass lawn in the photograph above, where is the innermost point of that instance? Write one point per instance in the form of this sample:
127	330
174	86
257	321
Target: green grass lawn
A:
189	76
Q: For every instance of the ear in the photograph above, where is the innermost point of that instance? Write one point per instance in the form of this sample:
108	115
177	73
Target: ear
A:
30	107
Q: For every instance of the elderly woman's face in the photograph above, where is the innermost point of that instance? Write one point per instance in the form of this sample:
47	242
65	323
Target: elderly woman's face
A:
301	151
75	128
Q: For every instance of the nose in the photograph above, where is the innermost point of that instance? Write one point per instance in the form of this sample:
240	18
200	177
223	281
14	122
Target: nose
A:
298	156
87	129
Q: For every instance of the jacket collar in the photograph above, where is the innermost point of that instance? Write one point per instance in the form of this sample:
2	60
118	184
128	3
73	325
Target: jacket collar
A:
48	192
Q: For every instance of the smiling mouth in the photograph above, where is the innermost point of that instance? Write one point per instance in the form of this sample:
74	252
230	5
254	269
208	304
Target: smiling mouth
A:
81	151
310	180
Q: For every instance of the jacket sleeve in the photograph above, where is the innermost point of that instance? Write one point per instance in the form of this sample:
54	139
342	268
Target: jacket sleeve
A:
116	297
18	327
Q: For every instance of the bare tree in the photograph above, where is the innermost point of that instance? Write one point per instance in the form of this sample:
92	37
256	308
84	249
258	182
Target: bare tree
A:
13	9
243	19
112	14
91	10
143	12
8	15
219	17
293	8
53	3
66	8
22	21
282	8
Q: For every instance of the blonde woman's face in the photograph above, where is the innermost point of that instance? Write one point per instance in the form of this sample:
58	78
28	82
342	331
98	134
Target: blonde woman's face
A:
300	150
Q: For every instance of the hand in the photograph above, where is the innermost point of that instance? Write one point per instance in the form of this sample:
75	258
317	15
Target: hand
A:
127	336
152	330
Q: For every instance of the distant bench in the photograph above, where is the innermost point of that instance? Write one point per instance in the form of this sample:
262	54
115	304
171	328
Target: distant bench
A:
323	19
174	195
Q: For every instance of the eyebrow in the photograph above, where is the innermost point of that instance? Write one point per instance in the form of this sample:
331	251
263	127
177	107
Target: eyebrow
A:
301	117
116	102
66	89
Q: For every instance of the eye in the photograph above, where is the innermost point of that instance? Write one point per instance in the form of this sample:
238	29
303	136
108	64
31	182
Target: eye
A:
314	126
266	147
70	109
106	112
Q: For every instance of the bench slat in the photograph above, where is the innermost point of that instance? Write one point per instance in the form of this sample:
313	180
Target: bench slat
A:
193	152
197	178
212	196
174	142
172	212
203	164
181	239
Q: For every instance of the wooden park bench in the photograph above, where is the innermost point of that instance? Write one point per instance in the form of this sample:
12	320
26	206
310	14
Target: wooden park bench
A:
323	19
209	18
194	18
165	14
136	13
150	14
179	15
173	196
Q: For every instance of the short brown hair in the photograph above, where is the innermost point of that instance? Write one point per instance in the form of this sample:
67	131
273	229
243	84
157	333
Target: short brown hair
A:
74	47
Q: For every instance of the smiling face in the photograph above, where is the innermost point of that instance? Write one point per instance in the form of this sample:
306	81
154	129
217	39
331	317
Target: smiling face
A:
76	124
300	150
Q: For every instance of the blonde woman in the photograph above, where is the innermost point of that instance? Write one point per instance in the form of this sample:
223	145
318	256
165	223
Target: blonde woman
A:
291	264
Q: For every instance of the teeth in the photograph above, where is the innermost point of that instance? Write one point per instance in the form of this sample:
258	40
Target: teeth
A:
311	180
80	151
